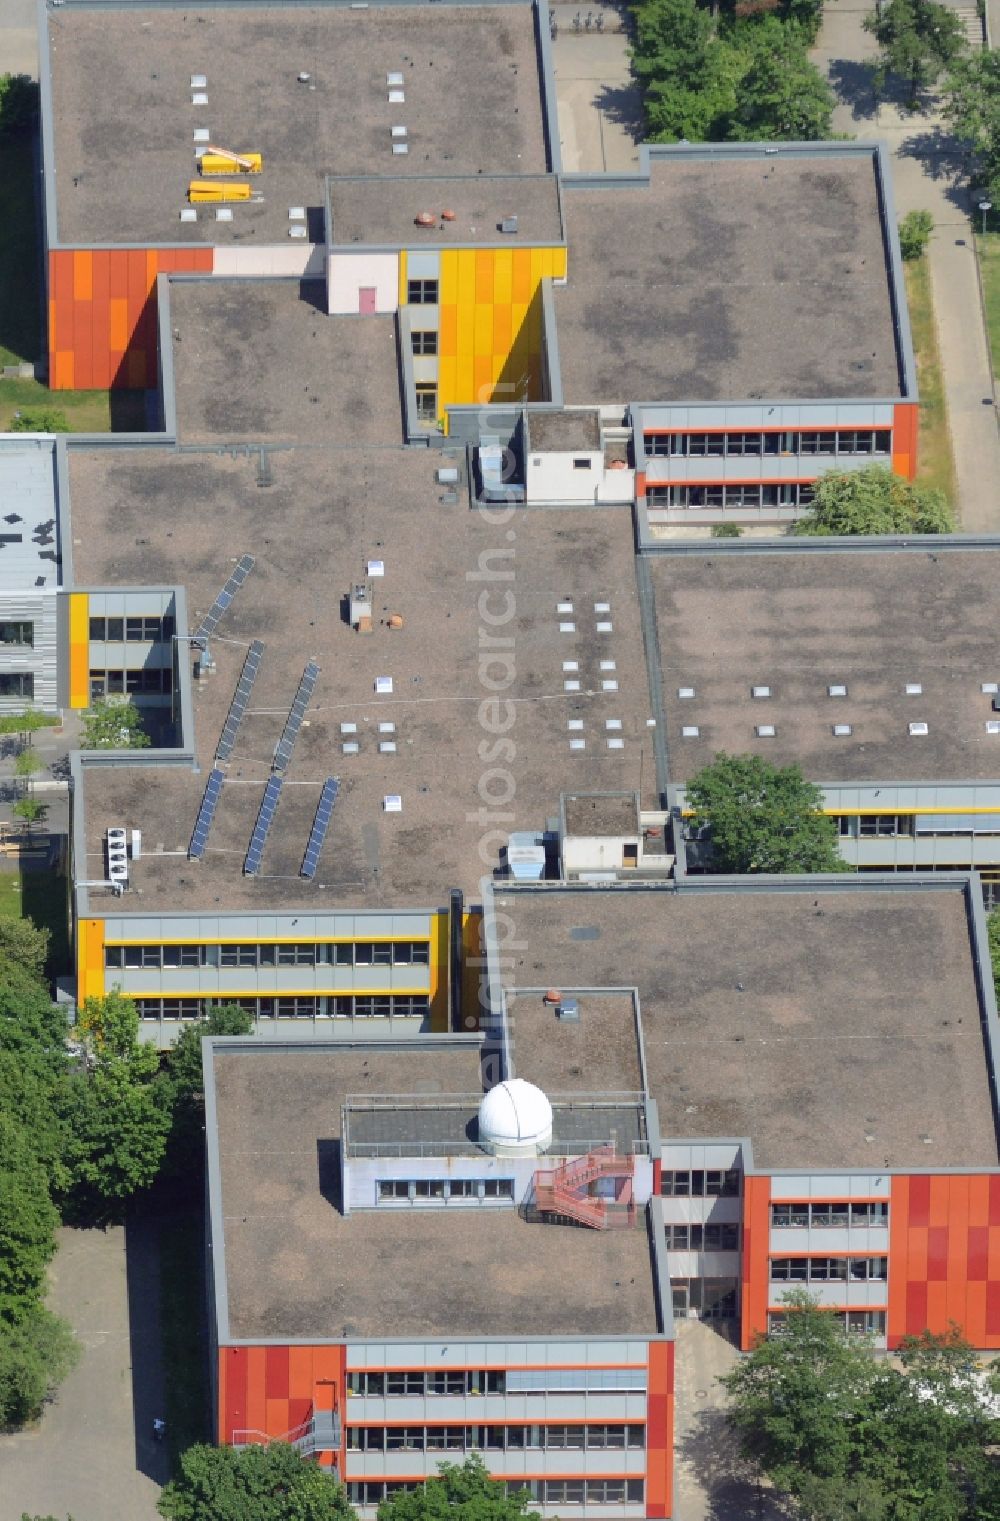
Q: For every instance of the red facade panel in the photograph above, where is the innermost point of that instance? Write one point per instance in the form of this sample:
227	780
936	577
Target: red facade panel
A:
756	1236
660	1430
944	1257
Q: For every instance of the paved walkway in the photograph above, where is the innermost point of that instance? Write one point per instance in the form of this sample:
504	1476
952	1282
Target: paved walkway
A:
18	38
599	104
927	176
92	1456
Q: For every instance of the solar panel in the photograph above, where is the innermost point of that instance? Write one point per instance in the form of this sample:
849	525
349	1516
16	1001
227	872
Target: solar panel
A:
241	697
321	823
210	622
265	819
283	749
206	813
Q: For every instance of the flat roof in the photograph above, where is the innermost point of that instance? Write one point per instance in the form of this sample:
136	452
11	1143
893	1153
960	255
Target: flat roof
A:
163	517
383	211
738	277
835	1028
600	813
574	428
297	1268
30	550
802	622
557	1054
124	153
261	360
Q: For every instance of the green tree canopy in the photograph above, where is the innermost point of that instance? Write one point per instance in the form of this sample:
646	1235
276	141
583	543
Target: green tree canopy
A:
847	1434
41	420
28	1222
972	106
36	1353
113	726
118	1119
18	105
762	817
271	1483
782	95
460	1492
918	40
914	234
874	500
182	1089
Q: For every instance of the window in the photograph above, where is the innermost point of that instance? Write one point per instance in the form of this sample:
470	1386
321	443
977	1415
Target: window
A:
424	342
861	1322
182	955
702	1238
366	954
237	955
426	401
21	634
422	292
296	1008
397	1384
829	1216
393	1188
437	1190
582	463
288	955
17	684
700	1183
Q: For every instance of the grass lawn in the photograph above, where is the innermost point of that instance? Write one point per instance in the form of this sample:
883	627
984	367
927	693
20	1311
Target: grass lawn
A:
183	1330
989	263
936	462
42	897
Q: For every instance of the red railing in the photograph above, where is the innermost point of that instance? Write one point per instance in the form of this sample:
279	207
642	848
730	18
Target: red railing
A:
565	1190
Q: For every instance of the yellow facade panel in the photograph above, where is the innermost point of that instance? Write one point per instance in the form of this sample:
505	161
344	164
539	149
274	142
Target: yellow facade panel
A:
79	650
402	277
89	959
503	275
440	953
466	292
447	333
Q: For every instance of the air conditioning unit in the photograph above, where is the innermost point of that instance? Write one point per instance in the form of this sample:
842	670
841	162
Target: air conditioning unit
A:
117	848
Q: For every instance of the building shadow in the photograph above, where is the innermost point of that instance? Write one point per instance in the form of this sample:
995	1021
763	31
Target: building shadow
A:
328	1171
142	1272
853	83
313	293
732	1489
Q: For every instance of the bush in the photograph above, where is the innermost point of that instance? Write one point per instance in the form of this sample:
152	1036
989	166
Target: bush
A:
18	105
914	233
41	420
873	500
727	531
35	1355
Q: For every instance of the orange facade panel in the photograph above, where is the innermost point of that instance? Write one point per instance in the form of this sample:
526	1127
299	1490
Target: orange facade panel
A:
102	318
271	1391
944	1257
660	1430
756	1238
905	425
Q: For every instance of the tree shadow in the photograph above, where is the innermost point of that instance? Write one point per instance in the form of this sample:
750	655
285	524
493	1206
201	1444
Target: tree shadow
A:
622	104
142	1273
853	83
944	160
733	1490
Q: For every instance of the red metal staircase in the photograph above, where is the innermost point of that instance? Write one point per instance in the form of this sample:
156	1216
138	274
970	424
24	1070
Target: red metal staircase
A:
567	1190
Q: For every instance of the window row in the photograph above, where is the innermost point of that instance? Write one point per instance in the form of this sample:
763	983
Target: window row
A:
541	1491
860	1322
419	1190
112	683
770	494
702	1238
706	1298
825	441
872	1213
561	1438
379	1385
712	1182
17	684
17	633
309	953
132	630
340	1006
829	1269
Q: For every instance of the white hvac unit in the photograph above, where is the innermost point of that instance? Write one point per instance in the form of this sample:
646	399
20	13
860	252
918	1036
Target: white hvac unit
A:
117	847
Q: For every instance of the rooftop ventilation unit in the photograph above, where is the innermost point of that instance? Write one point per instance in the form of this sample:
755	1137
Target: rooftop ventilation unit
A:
508	224
392	803
568	1009
914	689
842	731
685	693
198	81
760	691
117	848
394	79
383	685
188	214
296	230
690	731
838	690
917	729
993	726
989	688
765	731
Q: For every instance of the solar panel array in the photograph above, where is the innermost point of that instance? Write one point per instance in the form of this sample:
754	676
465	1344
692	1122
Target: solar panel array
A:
240	699
283	749
210	622
265	819
321	823
206	813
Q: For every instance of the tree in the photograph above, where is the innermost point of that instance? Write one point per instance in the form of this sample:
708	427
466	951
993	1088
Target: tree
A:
23	945
18	105
113	726
181	1083
914	234
873	500
27	766
462	1490
36	1353
847	1434
28	1223
271	1483
41	420
782	95
689	73
762	817
918	40
29	810
27	723
972	106
118	1121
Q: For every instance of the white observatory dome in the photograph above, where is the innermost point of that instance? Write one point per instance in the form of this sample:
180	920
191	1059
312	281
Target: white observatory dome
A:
515	1119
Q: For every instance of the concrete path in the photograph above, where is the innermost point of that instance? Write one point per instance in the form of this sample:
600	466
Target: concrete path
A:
927	176
711	1482
18	38
92	1456
599	104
